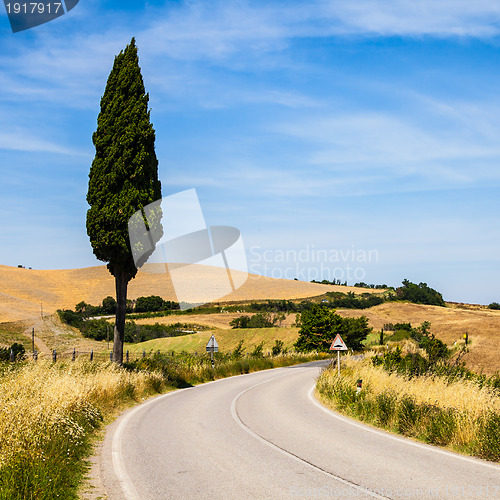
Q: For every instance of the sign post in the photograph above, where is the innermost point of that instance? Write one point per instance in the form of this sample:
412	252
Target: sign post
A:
212	347
338	345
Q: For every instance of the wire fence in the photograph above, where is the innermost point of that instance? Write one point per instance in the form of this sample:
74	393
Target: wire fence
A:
98	356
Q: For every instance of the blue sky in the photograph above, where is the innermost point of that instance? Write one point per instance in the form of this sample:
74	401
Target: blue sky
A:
358	140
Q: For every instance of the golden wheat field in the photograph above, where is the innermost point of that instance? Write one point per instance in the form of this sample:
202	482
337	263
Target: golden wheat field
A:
448	324
23	292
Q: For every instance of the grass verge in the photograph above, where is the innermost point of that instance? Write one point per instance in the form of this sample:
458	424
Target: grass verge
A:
459	414
184	369
50	412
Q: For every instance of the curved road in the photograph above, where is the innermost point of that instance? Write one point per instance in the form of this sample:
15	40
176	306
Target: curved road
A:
264	436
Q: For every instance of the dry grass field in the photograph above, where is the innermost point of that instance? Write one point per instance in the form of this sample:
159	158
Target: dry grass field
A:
448	324
227	339
24	291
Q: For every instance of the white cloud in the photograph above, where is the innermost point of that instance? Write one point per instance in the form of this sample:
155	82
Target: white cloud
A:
235	35
389	148
26	141
423	17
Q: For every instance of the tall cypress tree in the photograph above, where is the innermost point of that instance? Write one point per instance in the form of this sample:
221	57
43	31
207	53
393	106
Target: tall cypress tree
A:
123	178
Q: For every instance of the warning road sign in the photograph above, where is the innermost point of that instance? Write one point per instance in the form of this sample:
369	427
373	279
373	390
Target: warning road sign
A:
212	345
338	344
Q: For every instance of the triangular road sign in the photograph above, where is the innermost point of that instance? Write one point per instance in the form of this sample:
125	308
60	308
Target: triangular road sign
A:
212	345
338	344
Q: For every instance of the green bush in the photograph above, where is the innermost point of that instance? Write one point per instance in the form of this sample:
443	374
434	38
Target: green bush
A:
407	415
385	407
97	329
419	294
440	424
277	348
259	320
152	303
17	350
238	352
258	351
109	305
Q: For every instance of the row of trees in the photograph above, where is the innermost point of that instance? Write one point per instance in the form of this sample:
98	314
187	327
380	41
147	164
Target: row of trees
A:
98	329
259	320
152	303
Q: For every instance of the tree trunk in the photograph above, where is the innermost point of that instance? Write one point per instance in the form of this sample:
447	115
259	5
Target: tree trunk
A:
121	283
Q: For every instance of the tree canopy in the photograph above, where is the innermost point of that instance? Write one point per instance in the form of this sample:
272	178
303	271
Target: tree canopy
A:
419	294
319	326
123	178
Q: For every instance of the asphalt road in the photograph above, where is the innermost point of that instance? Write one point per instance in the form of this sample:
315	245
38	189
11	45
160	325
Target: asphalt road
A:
264	435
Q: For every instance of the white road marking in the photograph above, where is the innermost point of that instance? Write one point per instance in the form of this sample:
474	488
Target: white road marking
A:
236	417
397	438
128	489
127	486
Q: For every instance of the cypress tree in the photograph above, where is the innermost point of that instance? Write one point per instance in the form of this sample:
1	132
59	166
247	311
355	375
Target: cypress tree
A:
123	177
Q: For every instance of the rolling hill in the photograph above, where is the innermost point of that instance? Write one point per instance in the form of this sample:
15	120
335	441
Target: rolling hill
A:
24	292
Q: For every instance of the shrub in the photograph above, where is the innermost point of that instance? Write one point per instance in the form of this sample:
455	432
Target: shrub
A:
494	305
240	322
277	348
238	352
96	329
258	351
149	304
419	294
70	317
109	305
489	436
17	350
259	320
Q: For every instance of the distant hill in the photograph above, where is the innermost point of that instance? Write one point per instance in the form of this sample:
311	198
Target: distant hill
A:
23	292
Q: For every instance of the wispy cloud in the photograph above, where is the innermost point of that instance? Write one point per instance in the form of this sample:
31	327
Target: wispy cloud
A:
237	34
409	18
26	141
390	146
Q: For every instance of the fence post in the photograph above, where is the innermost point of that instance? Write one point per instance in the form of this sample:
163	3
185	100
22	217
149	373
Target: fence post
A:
74	355
35	355
127	357
12	357
92	355
144	353
54	356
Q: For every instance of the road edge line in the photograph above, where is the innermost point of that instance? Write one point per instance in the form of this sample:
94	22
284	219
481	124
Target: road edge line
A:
401	439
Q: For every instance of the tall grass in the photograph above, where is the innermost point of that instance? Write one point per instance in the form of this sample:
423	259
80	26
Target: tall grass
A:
47	413
461	414
185	369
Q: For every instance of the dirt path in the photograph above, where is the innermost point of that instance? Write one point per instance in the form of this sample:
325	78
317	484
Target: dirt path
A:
40	345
